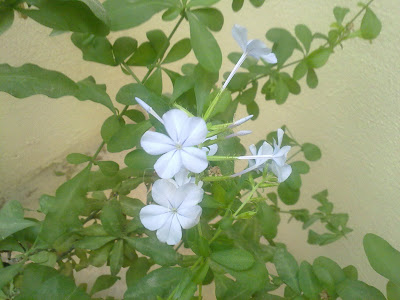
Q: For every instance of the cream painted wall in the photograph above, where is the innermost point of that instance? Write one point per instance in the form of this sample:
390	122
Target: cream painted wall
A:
353	115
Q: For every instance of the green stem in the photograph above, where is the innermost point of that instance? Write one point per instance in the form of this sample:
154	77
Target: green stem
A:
131	72
359	13
247	200
212	106
215	178
293	155
200	291
221	158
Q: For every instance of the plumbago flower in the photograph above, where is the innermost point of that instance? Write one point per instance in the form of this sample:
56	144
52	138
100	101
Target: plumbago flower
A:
178	148
177	207
254	48
276	158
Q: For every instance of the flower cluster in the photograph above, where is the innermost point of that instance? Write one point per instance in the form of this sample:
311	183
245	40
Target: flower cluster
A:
184	149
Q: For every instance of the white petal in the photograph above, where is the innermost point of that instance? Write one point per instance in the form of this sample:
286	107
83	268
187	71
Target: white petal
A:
163	191
155	143
194	132
280	156
194	159
257	48
189	216
270	58
282	172
239	33
154	216
174	121
189	195
280	136
182	177
265	149
169	164
253	149
170	232
212	149
255	166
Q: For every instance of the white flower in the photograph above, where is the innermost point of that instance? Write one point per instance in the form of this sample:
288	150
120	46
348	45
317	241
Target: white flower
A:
276	158
182	177
179	147
177	207
211	149
255	48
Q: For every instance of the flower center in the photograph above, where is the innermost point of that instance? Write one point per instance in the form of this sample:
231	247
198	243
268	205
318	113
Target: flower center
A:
178	146
174	210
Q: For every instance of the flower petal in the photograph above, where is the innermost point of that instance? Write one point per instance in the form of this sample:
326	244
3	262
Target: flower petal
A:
211	149
155	143
270	58
194	159
280	133
189	216
239	33
174	121
154	216
257	48
170	232
169	164
265	149
182	177
282	172
188	195
193	133
163	191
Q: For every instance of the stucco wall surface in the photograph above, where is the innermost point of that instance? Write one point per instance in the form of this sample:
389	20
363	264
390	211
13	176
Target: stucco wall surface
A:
353	115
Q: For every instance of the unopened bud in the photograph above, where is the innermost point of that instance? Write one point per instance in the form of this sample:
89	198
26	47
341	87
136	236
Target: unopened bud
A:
149	109
239	133
240	122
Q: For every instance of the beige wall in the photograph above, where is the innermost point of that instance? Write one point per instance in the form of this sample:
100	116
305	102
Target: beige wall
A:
353	115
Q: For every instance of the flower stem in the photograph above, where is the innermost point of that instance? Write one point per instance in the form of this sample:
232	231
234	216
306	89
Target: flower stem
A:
221	158
215	178
247	200
127	68
212	106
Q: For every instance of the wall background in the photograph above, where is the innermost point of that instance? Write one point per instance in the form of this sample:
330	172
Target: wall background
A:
353	115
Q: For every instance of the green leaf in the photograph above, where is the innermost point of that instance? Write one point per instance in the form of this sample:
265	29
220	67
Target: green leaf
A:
6	19
287	268
161	253
126	95
131	206
127	137
235	259
305	36
154	82
309	283
77	158
237	5
318	57
382	257
110	127
311	151
351	272
158	40
117	257
300	167
249	95
300	70
205	46
143	56
194	3
340	13
288	195
158	283
178	51
392	291
28	80
108	168
370	25
139	161
123	48
112	218
42	282
12	219
87	16
197	243
253	109
257	3
126	14
99	256
322	239
332	267
137	271
63	214
203	83
358	290
284	44
94	48
89	90
312	79
171	14
93	242
103	282
211	17
7	274
181	86
135	115
268	219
